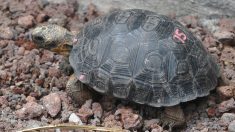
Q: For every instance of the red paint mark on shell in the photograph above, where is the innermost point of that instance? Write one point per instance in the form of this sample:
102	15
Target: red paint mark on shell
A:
180	36
81	77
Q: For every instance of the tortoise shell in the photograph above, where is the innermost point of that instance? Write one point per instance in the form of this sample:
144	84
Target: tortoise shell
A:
144	57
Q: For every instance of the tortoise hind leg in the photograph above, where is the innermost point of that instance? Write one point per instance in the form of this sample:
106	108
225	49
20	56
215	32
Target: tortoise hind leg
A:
173	117
78	91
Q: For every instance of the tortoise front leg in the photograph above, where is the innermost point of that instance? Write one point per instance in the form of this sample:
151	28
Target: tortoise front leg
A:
173	117
65	67
78	91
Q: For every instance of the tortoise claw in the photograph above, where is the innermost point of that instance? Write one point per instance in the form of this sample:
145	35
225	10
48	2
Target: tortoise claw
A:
172	117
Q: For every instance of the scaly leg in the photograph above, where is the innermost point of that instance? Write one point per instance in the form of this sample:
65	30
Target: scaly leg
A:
65	67
173	117
78	91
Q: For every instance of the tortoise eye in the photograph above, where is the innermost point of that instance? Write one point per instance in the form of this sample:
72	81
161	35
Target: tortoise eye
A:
38	39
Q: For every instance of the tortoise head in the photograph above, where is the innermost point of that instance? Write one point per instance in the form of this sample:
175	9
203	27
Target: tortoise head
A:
53	38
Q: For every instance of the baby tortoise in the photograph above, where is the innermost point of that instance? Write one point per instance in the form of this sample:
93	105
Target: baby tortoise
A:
135	55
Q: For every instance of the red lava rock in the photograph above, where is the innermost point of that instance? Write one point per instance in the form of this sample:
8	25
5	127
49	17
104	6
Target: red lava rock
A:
60	82
227	24
85	111
97	110
229	76
52	103
30	110
58	19
3	75
41	17
3	43
39	82
209	41
65	100
228	55
30	99
28	45
129	119
211	112
226	105
6	33
21	51
151	124
24	66
67	11
26	21
226	92
53	72
47	56
3	101
56	121
17	90
35	94
225	37
111	122
74	26
16	7
92	12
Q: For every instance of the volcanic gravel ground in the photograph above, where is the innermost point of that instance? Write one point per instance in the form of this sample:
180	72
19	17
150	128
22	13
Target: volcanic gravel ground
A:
32	87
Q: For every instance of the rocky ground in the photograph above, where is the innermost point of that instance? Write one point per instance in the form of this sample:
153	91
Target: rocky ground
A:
32	87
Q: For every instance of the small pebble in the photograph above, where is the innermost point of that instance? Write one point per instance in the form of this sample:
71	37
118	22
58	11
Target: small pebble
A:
97	110
226	105
26	21
226	92
52	103
111	122
129	118
21	51
41	18
85	111
30	110
7	33
74	118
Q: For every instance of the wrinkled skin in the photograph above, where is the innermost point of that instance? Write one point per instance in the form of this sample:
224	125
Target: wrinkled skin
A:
60	40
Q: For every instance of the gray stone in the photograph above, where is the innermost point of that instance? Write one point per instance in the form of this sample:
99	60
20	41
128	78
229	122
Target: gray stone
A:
228	117
231	127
